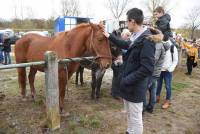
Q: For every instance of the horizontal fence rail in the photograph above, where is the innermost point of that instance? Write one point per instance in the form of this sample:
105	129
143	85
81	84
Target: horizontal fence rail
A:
43	62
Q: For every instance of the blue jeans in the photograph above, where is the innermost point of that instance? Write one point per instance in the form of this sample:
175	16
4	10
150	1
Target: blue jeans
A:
1	57
152	87
167	76
7	58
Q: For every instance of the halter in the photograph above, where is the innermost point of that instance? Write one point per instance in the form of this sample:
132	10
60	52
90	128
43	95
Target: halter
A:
92	44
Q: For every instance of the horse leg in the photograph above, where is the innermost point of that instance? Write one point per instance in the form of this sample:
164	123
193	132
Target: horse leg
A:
81	75
93	84
22	80
31	78
100	74
77	74
62	85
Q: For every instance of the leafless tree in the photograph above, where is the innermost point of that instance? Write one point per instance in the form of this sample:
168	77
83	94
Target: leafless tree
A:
15	9
193	20
153	4
70	7
117	7
21	10
89	11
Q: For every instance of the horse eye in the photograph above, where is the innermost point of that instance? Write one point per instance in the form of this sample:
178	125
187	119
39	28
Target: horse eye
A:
100	38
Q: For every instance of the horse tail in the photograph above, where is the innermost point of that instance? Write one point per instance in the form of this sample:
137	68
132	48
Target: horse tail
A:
21	49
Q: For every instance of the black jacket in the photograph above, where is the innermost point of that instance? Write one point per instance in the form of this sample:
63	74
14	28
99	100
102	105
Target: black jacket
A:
7	45
163	24
137	67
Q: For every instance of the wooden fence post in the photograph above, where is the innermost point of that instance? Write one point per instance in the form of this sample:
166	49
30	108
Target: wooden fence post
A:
52	91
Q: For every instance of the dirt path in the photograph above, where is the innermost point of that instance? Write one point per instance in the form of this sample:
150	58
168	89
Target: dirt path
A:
105	116
183	117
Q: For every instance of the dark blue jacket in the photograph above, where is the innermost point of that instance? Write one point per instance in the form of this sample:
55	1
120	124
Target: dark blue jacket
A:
137	67
163	24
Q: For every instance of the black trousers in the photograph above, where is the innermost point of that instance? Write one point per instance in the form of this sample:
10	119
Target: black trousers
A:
190	62
115	91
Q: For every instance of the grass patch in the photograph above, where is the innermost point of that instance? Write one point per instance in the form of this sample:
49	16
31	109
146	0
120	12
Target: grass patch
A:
91	122
177	86
83	123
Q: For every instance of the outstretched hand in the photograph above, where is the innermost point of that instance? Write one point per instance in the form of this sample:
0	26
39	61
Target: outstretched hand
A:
101	23
106	33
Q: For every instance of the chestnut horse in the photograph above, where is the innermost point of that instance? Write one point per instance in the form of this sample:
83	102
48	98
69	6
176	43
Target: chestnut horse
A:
74	43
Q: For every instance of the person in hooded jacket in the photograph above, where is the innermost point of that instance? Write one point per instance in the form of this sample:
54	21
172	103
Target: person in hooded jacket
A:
170	59
7	50
163	22
138	65
1	48
161	48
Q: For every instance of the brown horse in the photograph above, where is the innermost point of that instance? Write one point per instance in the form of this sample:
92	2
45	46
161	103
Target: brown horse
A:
74	43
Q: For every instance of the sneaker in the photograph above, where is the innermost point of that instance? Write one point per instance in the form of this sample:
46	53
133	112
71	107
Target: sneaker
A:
166	104
149	109
187	73
157	99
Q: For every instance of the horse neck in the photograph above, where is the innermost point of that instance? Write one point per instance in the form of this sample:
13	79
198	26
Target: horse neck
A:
77	41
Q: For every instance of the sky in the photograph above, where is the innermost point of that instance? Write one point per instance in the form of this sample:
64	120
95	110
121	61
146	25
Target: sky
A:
94	8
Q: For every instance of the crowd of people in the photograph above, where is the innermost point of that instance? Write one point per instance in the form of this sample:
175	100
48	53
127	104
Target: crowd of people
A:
149	57
5	49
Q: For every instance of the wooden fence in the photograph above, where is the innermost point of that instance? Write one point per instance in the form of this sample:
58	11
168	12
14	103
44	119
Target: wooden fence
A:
51	81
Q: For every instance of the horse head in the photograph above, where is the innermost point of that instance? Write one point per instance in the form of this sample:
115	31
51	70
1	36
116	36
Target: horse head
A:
99	44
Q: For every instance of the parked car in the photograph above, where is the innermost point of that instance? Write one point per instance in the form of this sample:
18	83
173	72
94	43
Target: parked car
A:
13	39
8	33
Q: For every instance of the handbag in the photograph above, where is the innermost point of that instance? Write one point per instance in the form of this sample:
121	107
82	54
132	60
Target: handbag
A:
195	64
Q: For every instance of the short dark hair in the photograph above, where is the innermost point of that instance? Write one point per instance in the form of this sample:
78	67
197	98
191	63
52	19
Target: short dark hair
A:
135	14
159	9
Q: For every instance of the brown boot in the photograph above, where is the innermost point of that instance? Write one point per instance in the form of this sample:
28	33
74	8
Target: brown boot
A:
157	99
166	104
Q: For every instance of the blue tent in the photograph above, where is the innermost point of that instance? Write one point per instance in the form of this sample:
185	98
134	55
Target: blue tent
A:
63	23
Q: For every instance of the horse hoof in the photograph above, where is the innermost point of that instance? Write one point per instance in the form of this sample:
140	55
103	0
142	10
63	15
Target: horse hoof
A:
33	97
24	99
61	110
65	114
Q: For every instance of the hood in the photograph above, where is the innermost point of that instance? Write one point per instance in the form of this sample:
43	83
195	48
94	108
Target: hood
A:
166	45
156	36
143	35
166	17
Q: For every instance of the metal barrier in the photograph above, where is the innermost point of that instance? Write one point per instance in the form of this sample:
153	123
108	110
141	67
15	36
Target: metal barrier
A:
51	82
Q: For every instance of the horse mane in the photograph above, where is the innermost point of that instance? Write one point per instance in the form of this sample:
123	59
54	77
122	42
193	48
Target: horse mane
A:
79	26
83	25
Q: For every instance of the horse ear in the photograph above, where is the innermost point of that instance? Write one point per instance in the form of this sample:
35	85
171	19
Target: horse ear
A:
92	25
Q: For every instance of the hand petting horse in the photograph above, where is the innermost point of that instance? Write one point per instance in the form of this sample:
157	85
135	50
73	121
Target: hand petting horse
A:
74	43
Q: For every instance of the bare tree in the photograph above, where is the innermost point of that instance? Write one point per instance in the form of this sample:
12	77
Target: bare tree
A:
89	11
21	10
29	12
153	4
15	9
117	7
193	20
70	7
